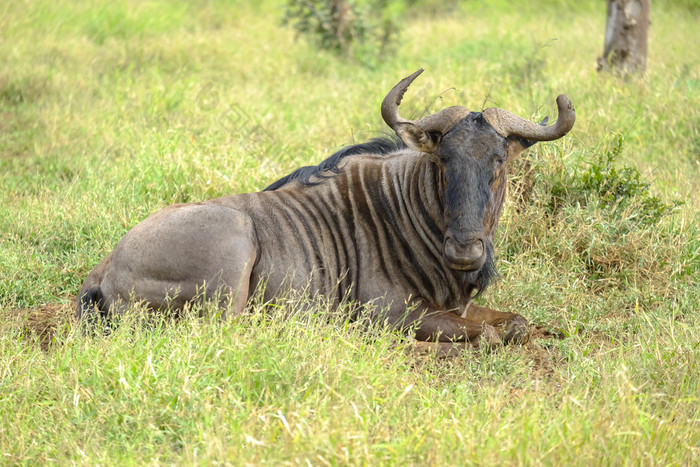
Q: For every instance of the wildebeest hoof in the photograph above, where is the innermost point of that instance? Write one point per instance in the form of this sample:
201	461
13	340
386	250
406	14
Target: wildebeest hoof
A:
517	331
489	339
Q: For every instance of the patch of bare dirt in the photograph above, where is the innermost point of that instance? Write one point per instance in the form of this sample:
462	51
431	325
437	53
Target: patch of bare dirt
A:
542	360
46	323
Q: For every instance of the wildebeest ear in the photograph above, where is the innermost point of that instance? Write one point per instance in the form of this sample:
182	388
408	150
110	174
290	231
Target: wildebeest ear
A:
416	138
526	143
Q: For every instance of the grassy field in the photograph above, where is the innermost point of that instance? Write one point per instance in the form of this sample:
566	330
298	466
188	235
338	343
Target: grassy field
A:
111	110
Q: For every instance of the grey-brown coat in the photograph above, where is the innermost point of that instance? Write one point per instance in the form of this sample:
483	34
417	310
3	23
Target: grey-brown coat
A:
407	224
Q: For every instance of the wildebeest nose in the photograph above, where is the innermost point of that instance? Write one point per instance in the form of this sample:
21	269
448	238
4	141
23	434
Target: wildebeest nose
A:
468	257
474	250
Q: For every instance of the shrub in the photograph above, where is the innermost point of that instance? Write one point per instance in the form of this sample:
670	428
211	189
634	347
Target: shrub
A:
617	189
599	219
356	28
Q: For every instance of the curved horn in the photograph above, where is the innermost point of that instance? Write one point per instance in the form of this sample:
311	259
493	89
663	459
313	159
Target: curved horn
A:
440	122
390	104
506	124
444	120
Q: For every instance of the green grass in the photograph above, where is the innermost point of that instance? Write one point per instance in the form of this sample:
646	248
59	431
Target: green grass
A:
111	110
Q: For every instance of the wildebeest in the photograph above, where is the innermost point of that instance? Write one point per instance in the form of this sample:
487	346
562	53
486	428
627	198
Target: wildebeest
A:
405	223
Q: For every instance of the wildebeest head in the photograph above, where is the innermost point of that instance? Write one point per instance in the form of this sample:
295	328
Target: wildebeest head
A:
472	150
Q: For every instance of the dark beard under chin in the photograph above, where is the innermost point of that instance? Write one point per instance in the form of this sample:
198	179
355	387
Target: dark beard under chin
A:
479	280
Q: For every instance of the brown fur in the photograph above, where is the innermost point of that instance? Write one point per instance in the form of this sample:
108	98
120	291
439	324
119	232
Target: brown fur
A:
408	231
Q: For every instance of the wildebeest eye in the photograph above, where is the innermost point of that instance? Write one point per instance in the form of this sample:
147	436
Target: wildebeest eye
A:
502	156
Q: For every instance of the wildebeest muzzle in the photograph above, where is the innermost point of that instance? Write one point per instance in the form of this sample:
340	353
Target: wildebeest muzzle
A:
467	255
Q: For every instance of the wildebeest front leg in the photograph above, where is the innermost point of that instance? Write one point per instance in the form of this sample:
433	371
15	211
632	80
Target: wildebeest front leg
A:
444	327
511	327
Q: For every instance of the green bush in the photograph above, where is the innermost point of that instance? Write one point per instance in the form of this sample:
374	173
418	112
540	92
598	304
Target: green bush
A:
600	220
617	189
359	29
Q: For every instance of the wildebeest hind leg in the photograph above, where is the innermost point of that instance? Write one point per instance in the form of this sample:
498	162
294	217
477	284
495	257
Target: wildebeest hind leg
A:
511	327
182	254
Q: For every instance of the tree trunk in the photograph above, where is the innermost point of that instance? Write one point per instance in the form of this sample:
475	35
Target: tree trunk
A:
626	32
340	12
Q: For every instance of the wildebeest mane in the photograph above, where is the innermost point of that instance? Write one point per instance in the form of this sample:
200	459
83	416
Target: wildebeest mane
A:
378	146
